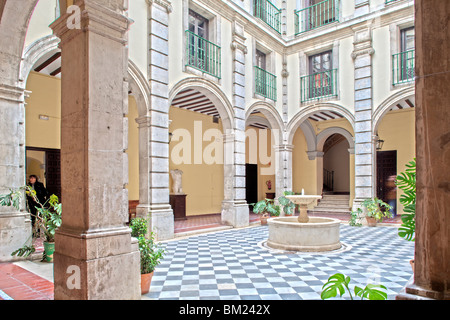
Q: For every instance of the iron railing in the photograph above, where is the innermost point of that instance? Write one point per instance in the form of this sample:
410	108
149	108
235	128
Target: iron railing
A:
389	1
265	84
319	85
203	54
269	13
317	15
403	64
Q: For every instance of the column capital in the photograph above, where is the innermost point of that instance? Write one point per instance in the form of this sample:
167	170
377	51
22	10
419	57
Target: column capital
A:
12	93
93	17
144	122
312	155
166	4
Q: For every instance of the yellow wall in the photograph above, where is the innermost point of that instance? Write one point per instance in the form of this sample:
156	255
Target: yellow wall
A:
45	99
397	129
203	183
304	171
253	157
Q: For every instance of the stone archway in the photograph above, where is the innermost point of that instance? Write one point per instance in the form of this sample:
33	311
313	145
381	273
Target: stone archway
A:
202	96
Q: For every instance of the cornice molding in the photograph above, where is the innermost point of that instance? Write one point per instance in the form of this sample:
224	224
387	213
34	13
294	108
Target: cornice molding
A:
166	4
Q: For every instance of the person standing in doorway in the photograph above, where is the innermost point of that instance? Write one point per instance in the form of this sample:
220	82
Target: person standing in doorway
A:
41	195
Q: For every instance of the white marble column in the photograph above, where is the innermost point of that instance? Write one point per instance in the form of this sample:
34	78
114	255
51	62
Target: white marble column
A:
235	210
95	256
364	143
159	209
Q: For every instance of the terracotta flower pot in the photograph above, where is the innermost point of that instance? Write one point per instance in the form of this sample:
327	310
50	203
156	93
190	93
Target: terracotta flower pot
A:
263	219
371	222
146	280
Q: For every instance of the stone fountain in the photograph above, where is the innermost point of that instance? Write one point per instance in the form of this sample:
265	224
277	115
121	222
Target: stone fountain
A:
313	234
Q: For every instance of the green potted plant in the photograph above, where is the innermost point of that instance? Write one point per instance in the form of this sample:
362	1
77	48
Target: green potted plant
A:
150	252
266	208
375	211
288	205
48	220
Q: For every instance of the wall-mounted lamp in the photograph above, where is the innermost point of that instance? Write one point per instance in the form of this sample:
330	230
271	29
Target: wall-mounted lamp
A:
379	143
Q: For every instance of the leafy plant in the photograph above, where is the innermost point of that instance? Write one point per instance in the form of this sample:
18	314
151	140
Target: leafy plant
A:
138	227
339	283
48	215
375	208
288	205
406	181
150	252
355	218
266	207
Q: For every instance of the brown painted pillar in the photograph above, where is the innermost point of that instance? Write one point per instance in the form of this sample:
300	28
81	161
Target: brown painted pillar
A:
95	256
432	252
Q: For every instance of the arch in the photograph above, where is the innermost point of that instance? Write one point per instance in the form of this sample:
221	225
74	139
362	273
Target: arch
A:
270	113
13	29
325	134
388	104
139	87
303	115
210	90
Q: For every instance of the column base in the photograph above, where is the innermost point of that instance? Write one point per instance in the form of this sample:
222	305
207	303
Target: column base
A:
97	265
235	213
15	232
161	222
414	292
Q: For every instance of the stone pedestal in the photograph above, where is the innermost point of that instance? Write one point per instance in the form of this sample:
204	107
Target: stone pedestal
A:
432	251
95	256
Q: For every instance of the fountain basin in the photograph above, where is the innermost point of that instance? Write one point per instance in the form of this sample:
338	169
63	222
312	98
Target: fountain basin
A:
319	234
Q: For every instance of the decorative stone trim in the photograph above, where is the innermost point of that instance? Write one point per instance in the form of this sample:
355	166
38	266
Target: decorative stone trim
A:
166	4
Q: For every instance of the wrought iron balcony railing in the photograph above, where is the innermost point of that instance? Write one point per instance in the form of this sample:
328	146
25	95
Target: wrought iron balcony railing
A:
269	13
265	84
203	54
319	85
317	15
403	64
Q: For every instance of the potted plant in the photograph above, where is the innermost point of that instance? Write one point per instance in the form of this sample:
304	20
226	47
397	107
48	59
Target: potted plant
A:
288	205
48	220
150	252
376	210
266	208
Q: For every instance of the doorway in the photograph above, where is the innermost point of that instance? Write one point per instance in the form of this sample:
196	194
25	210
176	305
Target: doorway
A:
386	173
46	165
251	183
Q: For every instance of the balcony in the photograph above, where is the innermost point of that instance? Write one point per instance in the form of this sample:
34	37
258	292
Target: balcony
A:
403	67
265	84
317	15
318	85
203	55
269	13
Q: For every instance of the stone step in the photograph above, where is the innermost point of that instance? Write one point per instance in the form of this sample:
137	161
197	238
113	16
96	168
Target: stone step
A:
328	211
330	203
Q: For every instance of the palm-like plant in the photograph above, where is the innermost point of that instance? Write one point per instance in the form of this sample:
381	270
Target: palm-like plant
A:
406	181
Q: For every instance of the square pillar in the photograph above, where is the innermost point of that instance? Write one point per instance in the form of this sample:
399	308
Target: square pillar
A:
235	210
95	256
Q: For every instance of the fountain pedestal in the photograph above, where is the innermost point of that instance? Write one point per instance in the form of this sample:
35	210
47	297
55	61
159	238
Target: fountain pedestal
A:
303	233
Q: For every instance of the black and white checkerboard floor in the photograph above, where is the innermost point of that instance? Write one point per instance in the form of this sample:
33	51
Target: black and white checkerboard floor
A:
235	265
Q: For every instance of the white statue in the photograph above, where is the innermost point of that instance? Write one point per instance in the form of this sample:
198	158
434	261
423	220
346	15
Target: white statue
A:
177	187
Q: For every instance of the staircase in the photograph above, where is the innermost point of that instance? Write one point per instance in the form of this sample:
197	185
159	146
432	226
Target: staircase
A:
332	204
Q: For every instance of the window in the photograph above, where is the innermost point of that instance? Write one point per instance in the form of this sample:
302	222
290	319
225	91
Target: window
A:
316	13
265	82
403	62
321	81
202	54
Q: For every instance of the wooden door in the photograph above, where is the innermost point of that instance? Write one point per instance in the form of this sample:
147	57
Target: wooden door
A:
251	183
386	170
53	172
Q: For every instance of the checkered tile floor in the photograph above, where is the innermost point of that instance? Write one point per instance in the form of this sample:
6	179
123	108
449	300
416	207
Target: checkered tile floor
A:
235	265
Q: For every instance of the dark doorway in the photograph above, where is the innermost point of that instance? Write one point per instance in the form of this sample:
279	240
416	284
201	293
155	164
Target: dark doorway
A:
386	173
251	183
52	169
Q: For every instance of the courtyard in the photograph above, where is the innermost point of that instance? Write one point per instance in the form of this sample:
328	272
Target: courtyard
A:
235	264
